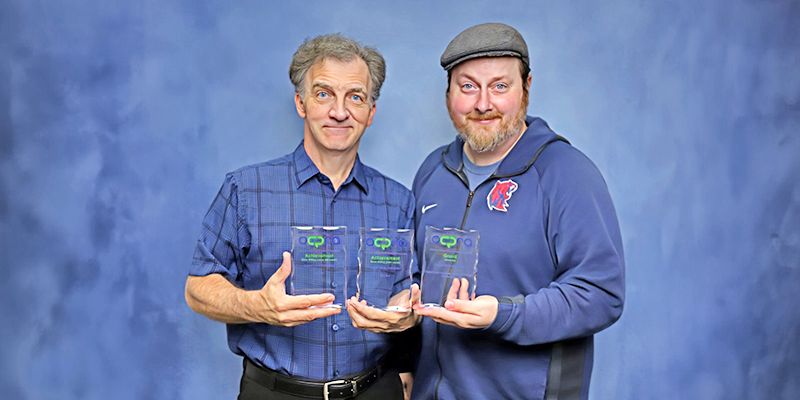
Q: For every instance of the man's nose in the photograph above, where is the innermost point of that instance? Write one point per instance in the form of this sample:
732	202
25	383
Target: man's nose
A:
483	105
339	111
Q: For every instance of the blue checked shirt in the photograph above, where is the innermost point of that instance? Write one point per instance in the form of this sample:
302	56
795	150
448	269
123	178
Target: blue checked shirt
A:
246	230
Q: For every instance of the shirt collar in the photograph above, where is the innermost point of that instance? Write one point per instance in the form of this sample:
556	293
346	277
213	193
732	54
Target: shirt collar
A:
305	169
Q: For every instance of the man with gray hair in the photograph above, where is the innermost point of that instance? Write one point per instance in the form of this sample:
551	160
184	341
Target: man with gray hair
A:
551	268
294	347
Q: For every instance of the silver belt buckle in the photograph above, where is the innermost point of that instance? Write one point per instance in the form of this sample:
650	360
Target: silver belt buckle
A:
325	387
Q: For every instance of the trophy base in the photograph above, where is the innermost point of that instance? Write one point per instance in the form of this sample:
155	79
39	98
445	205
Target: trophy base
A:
392	308
339	306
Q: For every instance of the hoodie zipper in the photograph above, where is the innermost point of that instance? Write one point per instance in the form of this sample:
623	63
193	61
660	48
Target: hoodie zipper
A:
438	335
463	177
466	211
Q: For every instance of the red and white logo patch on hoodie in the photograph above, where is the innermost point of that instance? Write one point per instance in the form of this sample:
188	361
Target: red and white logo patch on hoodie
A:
500	194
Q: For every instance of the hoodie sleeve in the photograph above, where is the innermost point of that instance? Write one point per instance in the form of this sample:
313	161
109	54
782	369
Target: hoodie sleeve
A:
588	292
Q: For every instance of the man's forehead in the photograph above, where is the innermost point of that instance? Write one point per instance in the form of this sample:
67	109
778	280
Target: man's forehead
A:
348	85
353	72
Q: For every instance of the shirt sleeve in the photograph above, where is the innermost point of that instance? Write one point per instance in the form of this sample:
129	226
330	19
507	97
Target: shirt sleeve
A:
224	238
588	292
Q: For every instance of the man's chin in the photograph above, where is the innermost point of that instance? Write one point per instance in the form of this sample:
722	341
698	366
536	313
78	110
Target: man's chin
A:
479	135
480	145
483	140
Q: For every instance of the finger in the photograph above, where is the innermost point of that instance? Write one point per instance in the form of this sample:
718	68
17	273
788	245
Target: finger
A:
415	294
462	294
356	305
433	312
381	316
439	315
349	302
355	316
279	277
401	300
362	321
353	306
377	315
453	292
306	301
297	317
462	306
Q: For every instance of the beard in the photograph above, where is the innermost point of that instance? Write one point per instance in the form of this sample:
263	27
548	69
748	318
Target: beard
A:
484	138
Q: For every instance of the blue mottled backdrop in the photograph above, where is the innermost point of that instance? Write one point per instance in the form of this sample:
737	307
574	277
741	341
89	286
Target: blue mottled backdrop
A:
119	119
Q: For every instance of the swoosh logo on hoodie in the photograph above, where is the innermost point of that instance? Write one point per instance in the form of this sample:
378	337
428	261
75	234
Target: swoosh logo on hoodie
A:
428	207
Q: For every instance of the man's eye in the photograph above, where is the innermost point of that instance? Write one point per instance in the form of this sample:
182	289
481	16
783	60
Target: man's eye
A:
468	86
500	86
355	97
322	95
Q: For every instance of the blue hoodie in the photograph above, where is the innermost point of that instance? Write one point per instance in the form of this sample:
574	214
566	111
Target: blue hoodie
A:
550	250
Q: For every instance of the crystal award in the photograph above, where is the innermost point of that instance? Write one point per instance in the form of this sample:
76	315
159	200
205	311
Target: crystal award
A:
384	259
448	254
318	262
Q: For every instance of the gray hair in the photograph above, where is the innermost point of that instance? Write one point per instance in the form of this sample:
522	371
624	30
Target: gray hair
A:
340	48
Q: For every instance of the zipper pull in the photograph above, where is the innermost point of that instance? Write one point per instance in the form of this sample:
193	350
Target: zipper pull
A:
469	199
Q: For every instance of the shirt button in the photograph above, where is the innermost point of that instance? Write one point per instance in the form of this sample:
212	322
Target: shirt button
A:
333	284
336	373
335	327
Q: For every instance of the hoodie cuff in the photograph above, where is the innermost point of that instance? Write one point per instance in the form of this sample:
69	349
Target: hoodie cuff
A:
504	308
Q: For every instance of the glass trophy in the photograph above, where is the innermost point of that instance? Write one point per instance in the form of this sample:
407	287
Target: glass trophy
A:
448	254
384	258
318	262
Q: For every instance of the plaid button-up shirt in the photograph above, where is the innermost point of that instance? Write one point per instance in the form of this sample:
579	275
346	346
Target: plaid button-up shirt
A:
247	228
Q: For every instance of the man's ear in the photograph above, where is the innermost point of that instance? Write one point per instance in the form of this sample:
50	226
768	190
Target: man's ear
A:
301	108
372	112
528	82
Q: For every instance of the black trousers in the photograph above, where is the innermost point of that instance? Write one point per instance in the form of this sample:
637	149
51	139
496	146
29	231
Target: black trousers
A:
388	387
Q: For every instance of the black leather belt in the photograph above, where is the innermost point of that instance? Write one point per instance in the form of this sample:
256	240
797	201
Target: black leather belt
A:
345	388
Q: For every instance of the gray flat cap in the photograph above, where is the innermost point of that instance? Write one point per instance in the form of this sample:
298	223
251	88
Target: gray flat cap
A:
485	40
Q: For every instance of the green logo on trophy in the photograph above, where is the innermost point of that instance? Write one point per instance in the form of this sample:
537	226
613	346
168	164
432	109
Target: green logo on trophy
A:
383	243
316	241
448	241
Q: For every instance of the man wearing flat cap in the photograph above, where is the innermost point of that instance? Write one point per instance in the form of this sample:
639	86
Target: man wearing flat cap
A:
551	267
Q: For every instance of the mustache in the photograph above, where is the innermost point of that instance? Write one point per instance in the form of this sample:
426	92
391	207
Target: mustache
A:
483	116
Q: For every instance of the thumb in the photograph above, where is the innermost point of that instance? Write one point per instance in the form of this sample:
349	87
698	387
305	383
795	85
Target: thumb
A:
415	293
285	270
462	306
